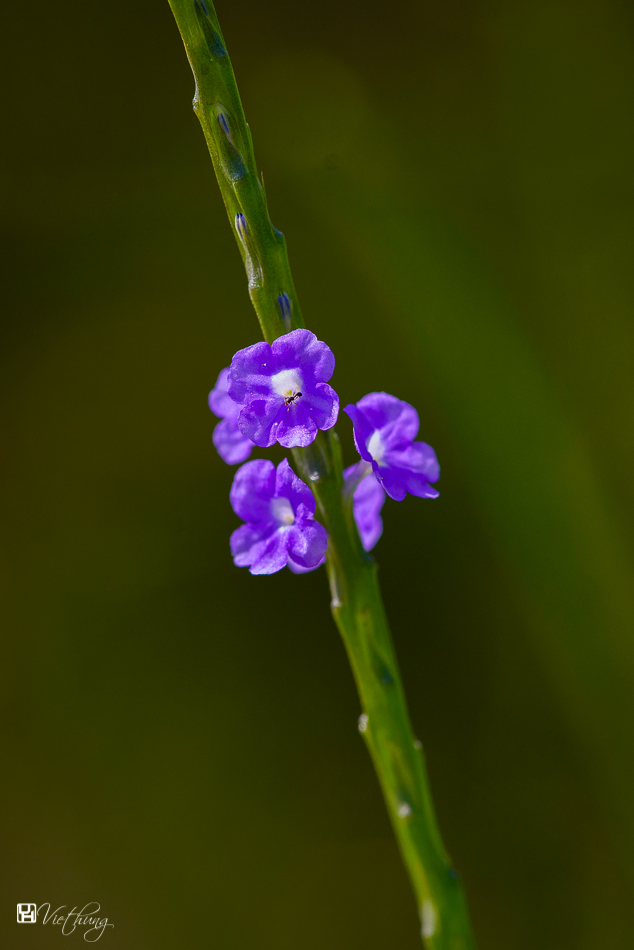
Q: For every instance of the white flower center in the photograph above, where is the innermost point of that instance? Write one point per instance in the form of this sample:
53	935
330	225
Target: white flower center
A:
376	447
288	384
282	511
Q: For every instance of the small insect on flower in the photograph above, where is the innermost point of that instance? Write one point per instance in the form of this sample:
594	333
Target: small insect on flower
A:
283	389
280	530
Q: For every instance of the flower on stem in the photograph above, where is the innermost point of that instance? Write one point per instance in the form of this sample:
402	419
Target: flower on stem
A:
283	389
231	445
368	498
384	431
278	509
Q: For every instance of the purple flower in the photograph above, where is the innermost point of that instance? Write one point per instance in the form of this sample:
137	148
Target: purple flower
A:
367	501
283	389
231	445
278	509
384	429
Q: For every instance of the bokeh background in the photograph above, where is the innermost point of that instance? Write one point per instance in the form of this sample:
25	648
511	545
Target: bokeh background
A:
179	738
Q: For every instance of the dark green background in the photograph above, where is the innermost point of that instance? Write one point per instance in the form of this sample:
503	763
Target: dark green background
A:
179	738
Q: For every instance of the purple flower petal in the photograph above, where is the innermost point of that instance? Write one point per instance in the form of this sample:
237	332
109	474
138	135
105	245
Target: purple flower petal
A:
417	484
231	445
250	371
248	541
417	457
306	544
252	490
295	428
324	405
368	500
298	569
397	420
220	402
259	421
302	348
361	430
391	481
272	555
288	485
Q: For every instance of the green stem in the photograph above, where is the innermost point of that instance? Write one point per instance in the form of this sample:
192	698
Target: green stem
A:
356	598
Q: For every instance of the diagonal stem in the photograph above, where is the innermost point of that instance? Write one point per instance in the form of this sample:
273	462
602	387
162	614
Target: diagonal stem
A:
219	109
356	598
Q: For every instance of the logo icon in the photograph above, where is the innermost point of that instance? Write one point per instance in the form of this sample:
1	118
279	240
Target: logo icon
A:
27	913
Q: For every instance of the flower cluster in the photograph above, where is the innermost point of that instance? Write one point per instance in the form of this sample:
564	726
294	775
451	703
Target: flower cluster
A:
280	393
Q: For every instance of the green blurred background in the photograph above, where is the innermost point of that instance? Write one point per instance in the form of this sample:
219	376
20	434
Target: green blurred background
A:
179	738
